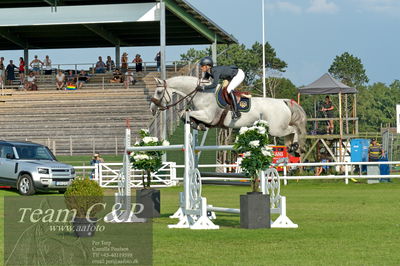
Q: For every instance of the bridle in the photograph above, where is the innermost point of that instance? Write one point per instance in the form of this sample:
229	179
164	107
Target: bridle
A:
166	94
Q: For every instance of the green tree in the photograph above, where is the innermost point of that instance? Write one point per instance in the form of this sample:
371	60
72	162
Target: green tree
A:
248	59
349	70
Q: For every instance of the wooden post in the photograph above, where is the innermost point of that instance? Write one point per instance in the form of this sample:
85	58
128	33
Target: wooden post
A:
70	145
355	113
116	145
340	127
347	114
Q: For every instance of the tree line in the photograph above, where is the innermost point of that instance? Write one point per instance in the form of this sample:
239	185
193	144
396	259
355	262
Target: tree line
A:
376	103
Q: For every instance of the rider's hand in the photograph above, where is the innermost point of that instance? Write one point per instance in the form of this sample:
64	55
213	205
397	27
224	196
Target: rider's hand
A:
200	88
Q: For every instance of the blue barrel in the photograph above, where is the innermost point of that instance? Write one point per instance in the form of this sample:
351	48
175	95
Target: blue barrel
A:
359	150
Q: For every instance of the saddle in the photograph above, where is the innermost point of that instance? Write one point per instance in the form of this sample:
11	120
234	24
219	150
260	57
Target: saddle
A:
242	98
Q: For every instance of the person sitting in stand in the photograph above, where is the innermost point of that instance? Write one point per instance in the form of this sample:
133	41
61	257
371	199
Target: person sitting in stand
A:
83	77
129	79
30	82
100	66
117	77
231	73
327	108
110	65
60	80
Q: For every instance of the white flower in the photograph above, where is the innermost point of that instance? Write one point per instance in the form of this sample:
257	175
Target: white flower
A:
165	143
139	157
261	123
268	148
146	131
243	130
247	154
150	139
254	143
267	151
261	130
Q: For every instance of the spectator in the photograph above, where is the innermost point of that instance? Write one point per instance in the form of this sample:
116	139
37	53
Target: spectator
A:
71	78
47	66
2	70
21	70
129	79
158	60
96	159
117	77
30	84
124	63
10	72
327	108
138	61
110	64
36	64
60	80
320	169
100	66
82	79
375	151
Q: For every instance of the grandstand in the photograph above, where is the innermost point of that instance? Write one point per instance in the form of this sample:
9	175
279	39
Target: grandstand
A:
81	121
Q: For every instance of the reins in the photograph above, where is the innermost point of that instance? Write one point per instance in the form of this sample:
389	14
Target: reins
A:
166	107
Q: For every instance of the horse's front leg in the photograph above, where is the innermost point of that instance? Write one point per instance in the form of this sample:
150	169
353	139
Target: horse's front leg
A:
201	119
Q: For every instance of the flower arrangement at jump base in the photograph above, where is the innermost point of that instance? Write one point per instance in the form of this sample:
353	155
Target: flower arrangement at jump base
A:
148	161
253	142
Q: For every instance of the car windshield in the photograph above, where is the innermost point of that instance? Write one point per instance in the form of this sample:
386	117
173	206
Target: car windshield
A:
31	152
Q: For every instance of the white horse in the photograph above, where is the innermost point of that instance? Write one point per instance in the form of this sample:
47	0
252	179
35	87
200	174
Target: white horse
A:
285	117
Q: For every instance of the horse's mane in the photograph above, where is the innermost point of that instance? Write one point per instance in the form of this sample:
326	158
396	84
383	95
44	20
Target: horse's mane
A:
181	81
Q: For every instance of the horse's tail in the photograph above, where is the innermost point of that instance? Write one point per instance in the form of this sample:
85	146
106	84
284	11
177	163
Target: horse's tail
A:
298	119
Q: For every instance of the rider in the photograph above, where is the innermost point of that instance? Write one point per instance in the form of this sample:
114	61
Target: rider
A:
232	73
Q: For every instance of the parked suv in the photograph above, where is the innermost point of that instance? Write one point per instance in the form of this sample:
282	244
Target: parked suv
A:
29	167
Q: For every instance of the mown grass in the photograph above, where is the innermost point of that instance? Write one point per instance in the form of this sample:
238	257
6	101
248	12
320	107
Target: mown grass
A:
355	224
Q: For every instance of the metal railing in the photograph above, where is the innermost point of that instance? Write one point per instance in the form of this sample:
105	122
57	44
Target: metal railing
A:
107	175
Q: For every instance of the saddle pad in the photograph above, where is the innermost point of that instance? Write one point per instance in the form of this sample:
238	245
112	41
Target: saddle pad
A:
244	104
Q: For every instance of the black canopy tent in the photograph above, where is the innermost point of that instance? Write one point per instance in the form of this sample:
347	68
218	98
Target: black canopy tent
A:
327	84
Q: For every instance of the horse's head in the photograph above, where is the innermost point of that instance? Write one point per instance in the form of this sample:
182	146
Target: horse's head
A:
183	85
160	97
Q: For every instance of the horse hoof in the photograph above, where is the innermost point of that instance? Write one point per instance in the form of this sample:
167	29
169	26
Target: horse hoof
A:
201	127
193	124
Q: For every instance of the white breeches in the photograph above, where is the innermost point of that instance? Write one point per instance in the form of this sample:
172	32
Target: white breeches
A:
236	80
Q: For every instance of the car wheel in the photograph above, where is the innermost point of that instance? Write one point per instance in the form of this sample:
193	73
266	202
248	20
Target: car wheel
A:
25	185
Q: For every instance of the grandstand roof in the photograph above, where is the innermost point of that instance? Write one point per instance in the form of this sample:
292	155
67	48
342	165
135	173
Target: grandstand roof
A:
47	24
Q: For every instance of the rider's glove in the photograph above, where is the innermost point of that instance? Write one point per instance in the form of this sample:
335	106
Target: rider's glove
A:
200	88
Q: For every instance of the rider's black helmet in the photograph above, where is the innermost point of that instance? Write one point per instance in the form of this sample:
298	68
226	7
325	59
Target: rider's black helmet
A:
206	61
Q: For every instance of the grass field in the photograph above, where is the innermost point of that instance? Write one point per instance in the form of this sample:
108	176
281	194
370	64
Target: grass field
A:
355	224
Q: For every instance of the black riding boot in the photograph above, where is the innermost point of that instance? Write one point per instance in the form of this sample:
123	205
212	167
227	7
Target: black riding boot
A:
235	113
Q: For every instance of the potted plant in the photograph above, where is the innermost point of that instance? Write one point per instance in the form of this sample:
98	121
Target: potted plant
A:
252	143
83	196
149	162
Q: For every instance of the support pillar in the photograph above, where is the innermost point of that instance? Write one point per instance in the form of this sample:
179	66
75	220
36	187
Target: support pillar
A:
214	51
163	68
162	39
26	59
117	56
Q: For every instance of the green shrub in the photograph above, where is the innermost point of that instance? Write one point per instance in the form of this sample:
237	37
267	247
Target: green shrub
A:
82	194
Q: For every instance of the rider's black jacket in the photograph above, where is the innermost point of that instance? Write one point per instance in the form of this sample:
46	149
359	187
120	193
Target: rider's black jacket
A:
218	73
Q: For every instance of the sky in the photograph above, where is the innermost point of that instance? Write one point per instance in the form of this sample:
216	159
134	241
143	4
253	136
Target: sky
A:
306	34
